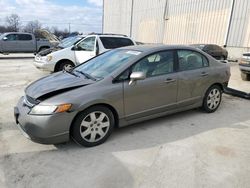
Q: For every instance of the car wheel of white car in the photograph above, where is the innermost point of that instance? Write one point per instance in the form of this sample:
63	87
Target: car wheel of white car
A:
65	65
212	99
93	126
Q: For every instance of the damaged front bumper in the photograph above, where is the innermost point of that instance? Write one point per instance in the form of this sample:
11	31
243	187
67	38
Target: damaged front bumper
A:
44	129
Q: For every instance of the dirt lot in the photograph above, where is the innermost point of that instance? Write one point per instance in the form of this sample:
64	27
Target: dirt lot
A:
188	149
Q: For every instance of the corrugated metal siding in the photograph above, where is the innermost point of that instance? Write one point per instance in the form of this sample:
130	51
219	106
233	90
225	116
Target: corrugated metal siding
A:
190	21
117	16
148	22
239	35
197	21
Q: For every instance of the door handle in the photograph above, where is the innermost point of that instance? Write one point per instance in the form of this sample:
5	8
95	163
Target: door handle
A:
169	80
204	74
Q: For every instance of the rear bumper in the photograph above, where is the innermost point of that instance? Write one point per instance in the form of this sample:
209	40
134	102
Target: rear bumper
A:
244	68
44	129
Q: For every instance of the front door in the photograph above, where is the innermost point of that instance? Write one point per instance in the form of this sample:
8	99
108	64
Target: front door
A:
85	49
156	93
10	45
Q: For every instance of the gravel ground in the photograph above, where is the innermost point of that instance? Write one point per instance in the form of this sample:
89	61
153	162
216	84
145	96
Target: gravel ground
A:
188	149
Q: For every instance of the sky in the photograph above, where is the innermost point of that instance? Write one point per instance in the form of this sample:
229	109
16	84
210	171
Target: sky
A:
83	15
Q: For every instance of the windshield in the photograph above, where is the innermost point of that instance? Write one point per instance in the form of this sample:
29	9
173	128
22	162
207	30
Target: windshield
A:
103	65
67	42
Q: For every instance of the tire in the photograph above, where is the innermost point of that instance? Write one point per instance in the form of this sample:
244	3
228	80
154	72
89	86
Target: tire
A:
67	65
245	77
93	126
212	99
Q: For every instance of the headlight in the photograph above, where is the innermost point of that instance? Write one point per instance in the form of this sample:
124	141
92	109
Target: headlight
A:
49	109
45	58
49	57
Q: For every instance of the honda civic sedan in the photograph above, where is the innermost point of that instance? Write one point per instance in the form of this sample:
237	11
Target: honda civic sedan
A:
118	88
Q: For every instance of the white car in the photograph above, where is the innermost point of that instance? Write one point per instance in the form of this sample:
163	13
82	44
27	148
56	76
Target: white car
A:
85	49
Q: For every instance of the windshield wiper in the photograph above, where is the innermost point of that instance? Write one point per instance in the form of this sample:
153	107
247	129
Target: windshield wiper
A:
71	72
86	75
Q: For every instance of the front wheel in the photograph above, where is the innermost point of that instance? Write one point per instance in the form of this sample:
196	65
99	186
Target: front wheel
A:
212	99
93	126
65	65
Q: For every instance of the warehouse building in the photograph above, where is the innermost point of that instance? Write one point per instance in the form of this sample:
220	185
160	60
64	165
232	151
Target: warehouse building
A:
222	22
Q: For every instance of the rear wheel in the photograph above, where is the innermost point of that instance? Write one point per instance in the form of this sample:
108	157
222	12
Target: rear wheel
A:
93	126
64	65
245	77
212	99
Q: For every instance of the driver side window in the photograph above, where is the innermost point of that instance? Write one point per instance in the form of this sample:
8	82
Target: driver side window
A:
156	64
11	37
87	44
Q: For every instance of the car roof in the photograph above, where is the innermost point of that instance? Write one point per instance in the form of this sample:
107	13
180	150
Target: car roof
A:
157	47
107	35
203	44
17	33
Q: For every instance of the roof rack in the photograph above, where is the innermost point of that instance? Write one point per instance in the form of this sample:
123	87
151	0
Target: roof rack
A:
93	33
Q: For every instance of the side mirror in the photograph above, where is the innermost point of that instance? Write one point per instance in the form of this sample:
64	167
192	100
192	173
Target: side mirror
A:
5	38
74	48
136	76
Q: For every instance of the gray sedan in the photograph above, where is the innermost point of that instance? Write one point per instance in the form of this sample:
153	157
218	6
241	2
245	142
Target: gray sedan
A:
118	88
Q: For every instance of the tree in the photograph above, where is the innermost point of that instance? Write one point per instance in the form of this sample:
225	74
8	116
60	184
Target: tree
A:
32	26
60	33
13	22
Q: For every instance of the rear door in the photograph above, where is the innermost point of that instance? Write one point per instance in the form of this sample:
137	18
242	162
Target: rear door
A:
155	94
194	77
85	50
10	45
26	43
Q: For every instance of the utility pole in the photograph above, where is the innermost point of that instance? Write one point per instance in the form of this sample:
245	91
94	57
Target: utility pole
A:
69	27
229	24
131	18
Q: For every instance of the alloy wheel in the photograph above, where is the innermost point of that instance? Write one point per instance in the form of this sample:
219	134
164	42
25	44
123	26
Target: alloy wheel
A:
67	67
213	99
94	126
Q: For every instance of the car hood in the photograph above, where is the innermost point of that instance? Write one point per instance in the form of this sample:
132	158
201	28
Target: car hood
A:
49	36
55	84
48	51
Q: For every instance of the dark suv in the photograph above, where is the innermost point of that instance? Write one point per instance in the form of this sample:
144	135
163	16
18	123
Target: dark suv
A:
214	50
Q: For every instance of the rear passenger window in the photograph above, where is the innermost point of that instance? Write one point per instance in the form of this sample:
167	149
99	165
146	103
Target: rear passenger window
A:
24	37
189	60
115	42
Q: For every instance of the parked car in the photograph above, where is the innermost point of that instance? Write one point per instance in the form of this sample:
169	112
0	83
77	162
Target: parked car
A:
214	50
85	49
118	88
245	66
20	42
